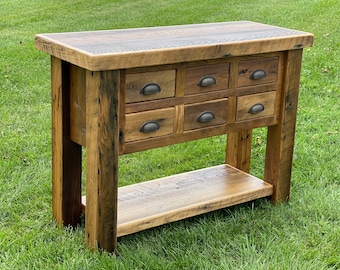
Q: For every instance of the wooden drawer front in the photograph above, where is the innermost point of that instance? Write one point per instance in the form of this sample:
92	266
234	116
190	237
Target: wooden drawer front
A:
206	78
149	124
150	85
258	71
206	114
255	106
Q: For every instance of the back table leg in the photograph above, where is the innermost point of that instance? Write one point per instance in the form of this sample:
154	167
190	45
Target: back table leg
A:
238	152
66	160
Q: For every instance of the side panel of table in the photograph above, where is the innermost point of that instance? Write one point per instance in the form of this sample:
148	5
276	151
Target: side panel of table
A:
66	161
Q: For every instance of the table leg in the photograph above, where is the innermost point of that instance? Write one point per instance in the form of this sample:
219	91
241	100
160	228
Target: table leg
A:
66	160
280	139
102	150
238	152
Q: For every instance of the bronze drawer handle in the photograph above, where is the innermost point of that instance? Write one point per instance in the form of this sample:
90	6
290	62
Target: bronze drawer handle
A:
207	81
258	74
206	117
150	88
256	108
150	126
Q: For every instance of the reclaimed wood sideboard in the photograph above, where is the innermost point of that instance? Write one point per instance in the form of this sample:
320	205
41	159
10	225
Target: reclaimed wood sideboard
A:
116	92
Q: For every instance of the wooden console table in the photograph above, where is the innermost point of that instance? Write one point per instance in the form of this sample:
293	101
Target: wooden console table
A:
121	91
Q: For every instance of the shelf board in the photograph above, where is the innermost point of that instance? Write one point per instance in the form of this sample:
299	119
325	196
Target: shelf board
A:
149	204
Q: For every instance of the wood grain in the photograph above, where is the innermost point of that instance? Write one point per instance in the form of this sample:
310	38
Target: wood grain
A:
238	150
246	68
193	111
220	72
96	103
66	155
195	134
244	103
102	142
77	105
134	122
141	76
118	49
280	139
153	203
135	82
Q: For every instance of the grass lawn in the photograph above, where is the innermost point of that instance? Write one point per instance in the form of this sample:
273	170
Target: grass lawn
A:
304	234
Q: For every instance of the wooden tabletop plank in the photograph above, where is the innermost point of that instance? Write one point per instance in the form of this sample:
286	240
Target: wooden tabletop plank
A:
116	49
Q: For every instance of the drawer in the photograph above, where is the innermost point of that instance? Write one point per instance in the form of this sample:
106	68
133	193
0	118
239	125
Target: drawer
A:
144	125
259	71
150	85
200	115
206	78
255	106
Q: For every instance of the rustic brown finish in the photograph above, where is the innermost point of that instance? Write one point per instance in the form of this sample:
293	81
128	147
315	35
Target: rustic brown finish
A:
280	139
103	50
219	72
169	85
245	103
192	113
102	144
210	189
247	68
77	105
238	151
137	81
66	155
134	122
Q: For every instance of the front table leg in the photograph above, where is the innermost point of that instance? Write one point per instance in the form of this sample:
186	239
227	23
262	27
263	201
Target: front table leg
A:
66	155
102	144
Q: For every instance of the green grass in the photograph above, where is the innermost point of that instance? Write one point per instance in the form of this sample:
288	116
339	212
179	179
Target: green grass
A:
304	234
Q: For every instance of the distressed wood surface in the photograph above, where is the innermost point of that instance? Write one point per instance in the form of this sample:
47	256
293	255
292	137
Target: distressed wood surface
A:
246	68
153	203
78	105
134	122
135	82
92	73
66	155
280	139
238	150
220	72
102	142
244	104
193	111
117	49
187	76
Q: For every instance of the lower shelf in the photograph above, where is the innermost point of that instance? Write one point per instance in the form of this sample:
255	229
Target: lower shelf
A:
149	204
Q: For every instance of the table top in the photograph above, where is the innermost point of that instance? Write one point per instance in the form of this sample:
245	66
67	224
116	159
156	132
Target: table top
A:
137	47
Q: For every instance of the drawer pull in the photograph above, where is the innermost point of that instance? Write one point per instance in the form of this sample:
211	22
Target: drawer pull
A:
151	88
258	74
149	127
206	117
256	108
207	81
